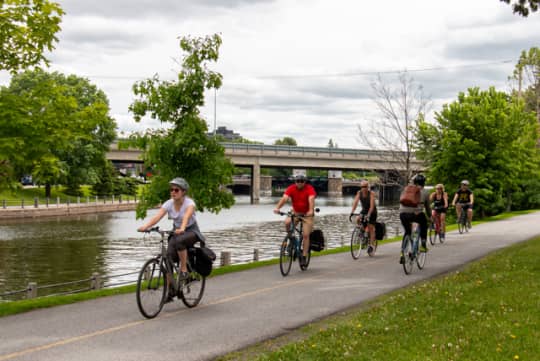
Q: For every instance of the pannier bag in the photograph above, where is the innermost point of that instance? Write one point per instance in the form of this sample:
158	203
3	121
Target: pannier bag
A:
411	196
316	240
380	230
204	258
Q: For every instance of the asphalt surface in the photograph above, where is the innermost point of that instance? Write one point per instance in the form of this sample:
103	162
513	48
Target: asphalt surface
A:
239	309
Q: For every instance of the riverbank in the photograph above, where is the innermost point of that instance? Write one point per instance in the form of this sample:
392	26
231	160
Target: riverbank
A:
64	209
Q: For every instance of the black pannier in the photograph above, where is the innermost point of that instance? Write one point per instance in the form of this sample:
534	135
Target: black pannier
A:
316	239
380	230
204	258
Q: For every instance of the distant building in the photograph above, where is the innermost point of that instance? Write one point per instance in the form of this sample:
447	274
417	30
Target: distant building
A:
226	133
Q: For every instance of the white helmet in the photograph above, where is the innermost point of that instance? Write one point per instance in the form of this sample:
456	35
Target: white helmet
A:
181	183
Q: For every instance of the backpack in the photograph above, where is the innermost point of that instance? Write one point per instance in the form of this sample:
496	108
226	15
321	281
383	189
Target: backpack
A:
204	258
411	196
380	230
316	240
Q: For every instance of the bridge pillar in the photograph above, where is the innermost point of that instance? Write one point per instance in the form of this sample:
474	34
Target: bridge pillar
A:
335	187
266	185
255	182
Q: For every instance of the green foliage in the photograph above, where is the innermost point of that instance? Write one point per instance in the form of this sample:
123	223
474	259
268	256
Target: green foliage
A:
524	7
27	30
527	76
55	127
486	137
183	150
286	141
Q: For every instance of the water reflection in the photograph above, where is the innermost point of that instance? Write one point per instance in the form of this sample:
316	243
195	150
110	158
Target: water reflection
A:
53	250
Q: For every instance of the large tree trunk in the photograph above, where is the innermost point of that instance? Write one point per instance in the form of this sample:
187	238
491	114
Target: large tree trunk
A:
47	190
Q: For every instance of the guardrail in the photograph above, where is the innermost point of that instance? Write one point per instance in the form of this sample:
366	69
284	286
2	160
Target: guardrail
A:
298	149
58	202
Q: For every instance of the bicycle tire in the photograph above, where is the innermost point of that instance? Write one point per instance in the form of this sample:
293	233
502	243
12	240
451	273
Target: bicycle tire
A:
286	256
356	243
192	291
151	288
432	234
461	223
408	253
419	256
308	258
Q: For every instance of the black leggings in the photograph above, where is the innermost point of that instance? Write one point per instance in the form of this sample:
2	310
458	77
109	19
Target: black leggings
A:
180	242
420	218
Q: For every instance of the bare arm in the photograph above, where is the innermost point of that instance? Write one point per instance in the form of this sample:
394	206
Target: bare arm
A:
472	199
281	202
161	212
454	200
445	197
355	202
311	201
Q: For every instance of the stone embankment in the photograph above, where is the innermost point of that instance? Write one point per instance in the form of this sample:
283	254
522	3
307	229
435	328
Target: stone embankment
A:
65	210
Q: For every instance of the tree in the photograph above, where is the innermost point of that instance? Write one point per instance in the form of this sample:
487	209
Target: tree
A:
55	127
27	30
524	7
183	150
486	137
401	109
331	144
527	76
286	141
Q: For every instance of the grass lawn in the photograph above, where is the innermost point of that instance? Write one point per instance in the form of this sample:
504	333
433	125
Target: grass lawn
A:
489	310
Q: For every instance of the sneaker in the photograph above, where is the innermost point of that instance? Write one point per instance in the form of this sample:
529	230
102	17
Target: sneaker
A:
370	250
469	225
423	248
401	258
302	260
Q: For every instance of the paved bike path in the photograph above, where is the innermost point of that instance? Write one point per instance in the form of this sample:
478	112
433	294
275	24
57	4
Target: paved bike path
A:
239	309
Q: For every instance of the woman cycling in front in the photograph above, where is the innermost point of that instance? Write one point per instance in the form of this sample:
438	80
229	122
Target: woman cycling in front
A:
366	197
181	209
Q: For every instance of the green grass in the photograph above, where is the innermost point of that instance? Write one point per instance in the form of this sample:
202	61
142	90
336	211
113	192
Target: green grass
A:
486	311
14	307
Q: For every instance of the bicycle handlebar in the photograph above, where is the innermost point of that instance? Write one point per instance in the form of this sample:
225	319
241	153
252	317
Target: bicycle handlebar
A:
292	214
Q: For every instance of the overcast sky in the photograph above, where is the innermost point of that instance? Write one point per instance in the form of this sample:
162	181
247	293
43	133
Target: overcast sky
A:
295	68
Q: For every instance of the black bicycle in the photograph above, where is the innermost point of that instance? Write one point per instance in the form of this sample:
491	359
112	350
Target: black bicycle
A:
463	222
152	282
411	251
292	246
360	236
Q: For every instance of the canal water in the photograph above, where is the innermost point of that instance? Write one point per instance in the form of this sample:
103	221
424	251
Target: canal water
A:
63	249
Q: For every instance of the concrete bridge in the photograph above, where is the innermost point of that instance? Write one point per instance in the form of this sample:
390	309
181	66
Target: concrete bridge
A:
255	156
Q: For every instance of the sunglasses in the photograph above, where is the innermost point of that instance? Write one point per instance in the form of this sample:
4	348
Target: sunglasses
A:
363	186
175	190
300	181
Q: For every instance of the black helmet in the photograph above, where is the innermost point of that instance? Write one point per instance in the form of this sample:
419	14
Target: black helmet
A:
181	183
419	180
300	177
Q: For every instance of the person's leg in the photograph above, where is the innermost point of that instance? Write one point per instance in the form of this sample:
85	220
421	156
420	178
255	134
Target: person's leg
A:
306	231
469	214
406	219
442	227
182	243
421	219
458	210
287	224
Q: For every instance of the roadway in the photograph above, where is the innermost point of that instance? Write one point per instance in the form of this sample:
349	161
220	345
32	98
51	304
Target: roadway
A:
239	309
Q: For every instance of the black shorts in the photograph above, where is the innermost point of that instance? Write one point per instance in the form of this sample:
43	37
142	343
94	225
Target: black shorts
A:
440	210
466	206
180	242
372	218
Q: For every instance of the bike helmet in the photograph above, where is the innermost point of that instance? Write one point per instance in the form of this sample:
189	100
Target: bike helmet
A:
419	180
181	183
465	182
300	177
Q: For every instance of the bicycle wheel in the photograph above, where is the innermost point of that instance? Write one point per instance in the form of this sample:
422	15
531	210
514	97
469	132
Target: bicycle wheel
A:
356	243
151	288
192	291
432	234
461	223
308	258
420	256
408	253
286	256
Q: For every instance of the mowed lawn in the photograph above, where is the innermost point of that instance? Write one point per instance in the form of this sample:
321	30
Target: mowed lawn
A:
489	310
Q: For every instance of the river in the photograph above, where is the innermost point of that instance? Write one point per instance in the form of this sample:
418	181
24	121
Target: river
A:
62	249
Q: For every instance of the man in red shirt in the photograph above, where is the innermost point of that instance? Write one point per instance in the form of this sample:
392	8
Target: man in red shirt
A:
302	196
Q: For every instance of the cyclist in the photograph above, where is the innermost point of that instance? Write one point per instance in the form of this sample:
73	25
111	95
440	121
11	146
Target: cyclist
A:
408	215
464	200
366	197
302	196
181	209
439	198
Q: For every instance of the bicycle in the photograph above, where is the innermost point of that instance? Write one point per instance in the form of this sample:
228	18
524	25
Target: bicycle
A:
434	231
360	237
411	250
463	222
292	245
152	281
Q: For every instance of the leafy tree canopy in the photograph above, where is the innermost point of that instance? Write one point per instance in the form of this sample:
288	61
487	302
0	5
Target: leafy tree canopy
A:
486	137
183	150
286	141
524	7
27	30
55	127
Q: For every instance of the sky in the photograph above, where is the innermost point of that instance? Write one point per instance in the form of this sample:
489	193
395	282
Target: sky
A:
301	68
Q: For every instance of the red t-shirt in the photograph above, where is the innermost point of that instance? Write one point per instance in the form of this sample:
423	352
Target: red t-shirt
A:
300	197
